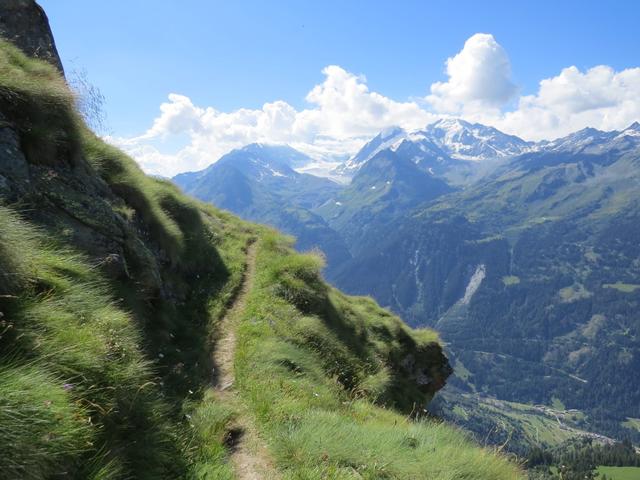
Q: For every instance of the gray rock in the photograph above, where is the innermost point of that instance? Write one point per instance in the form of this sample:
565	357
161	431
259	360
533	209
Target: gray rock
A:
24	23
14	170
115	266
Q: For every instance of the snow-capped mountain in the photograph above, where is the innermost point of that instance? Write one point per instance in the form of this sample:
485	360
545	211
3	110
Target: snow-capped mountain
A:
593	141
472	141
439	143
587	138
386	139
268	154
632	130
264	167
258	183
258	161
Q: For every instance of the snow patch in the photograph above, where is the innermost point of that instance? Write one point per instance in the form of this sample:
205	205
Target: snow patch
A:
474	283
275	173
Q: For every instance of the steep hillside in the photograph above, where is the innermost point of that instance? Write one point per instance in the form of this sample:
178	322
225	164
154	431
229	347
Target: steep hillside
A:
114	288
258	183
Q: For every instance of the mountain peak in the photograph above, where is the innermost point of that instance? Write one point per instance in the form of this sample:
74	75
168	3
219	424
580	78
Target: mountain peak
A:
451	123
262	147
631	132
272	153
588	131
389	132
472	141
382	141
443	140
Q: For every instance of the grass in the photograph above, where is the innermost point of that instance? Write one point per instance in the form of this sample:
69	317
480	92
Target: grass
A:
99	375
622	287
98	391
143	194
510	280
95	389
574	293
632	423
320	370
39	424
210	422
557	404
38	102
620	473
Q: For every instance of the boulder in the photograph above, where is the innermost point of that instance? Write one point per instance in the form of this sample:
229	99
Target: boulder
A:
24	23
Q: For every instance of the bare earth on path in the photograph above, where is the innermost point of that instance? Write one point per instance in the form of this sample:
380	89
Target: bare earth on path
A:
249	456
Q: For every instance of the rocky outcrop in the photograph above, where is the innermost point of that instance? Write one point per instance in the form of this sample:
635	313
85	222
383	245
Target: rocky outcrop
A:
24	23
428	368
74	202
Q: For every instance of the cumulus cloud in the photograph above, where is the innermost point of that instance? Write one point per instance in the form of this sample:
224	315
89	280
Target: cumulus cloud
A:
346	108
479	78
599	97
343	113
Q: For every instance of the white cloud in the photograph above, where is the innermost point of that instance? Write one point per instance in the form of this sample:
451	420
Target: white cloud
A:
343	113
599	97
179	115
346	108
479	78
480	86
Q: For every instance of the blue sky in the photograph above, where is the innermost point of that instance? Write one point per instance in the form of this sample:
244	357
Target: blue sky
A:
243	54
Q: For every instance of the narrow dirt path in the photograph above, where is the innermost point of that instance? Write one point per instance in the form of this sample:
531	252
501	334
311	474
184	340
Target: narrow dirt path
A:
248	454
224	351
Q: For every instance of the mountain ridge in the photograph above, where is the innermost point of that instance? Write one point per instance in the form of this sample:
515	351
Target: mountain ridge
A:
440	142
258	184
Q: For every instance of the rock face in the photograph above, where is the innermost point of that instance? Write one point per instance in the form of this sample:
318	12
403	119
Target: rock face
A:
24	23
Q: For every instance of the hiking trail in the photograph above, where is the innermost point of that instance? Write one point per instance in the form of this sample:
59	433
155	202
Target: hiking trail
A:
249	456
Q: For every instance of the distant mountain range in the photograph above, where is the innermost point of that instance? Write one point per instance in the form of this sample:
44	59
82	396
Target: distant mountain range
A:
440	144
526	256
454	149
258	182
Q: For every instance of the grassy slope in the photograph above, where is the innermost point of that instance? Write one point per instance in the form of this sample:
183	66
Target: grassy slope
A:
620	473
121	371
106	378
317	396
